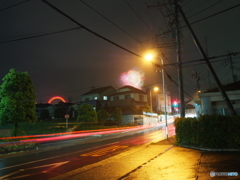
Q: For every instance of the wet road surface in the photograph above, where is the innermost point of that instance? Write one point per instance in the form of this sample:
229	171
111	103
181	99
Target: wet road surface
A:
46	164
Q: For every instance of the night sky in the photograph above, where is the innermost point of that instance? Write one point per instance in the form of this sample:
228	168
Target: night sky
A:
70	63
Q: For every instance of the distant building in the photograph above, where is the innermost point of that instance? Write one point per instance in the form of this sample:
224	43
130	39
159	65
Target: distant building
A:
40	107
211	101
129	99
97	97
70	108
158	98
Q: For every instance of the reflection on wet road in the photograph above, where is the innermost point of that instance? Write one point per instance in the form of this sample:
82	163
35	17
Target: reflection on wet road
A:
50	163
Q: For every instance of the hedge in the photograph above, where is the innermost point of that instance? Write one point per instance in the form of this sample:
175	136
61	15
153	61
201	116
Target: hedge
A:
210	131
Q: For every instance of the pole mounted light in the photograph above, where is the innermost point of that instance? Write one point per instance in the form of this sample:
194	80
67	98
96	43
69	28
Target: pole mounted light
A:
149	57
151	104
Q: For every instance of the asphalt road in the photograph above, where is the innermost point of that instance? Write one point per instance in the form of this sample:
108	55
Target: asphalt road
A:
79	152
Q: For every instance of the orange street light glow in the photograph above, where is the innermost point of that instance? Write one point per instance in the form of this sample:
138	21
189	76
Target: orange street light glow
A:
149	57
155	88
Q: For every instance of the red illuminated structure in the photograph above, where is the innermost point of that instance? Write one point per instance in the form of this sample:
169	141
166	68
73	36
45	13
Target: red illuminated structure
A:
56	97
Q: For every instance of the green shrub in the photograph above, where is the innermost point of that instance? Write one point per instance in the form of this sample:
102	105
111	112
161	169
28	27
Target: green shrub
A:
213	131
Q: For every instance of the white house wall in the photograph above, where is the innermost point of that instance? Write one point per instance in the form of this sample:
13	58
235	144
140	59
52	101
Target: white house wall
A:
146	119
136	98
149	120
90	97
213	102
107	93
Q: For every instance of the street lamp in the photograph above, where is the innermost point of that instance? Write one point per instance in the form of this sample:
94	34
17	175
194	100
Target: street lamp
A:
151	105
149	57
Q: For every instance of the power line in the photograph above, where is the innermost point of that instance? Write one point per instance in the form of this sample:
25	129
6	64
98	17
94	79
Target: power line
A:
186	3
193	61
40	35
89	30
153	21
139	17
204	9
220	12
197	7
175	82
13	6
110	21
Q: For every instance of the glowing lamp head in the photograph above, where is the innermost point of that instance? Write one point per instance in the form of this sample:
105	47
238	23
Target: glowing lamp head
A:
155	88
149	57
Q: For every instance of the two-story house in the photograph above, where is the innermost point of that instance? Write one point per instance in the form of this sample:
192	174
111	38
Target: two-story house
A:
129	99
97	97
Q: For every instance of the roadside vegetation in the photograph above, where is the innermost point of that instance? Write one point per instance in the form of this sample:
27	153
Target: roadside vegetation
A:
17	103
19	116
47	127
209	131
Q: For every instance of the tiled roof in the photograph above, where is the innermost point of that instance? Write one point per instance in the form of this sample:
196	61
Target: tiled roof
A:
131	90
229	87
97	90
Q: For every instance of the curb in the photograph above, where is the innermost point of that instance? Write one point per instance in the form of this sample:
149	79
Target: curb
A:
209	149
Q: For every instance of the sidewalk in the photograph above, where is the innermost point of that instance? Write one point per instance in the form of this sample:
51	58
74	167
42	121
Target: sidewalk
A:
160	160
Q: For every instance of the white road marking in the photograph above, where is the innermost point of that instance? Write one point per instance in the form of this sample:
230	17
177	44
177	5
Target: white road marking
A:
53	157
54	165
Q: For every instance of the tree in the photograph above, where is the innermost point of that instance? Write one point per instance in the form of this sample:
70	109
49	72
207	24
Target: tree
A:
86	113
59	112
102	116
146	108
45	114
117	115
71	112
18	99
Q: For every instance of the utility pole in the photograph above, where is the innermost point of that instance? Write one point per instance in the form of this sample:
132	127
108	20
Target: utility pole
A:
179	60
209	80
231	66
178	52
224	94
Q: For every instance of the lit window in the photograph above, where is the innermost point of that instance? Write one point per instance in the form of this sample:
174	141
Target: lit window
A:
95	98
105	97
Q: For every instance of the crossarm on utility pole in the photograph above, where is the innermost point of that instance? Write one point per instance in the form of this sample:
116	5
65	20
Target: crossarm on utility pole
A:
219	85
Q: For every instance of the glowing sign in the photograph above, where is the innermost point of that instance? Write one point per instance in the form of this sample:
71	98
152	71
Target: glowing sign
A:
133	78
56	97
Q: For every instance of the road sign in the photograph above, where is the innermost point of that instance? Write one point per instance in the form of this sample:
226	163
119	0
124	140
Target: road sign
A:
66	116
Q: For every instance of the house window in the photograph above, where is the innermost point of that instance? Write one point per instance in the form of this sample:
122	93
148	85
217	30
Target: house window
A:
127	96
95	98
140	97
105	97
86	99
115	98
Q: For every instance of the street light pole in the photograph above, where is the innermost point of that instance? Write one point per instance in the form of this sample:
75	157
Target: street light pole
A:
151	100
164	94
149	58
